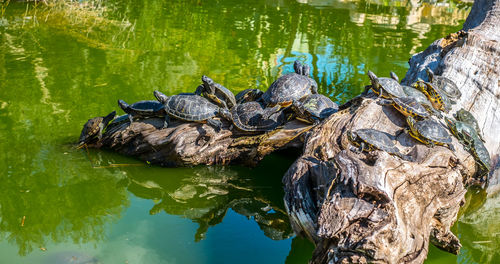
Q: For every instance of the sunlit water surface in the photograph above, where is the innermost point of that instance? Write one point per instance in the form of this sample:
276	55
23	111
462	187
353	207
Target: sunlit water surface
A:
62	66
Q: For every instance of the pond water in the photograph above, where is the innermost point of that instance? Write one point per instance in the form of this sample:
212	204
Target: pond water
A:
62	65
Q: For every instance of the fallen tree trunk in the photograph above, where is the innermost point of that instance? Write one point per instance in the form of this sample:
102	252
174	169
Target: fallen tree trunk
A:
378	208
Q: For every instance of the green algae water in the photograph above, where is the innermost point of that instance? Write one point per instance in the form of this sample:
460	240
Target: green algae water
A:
63	64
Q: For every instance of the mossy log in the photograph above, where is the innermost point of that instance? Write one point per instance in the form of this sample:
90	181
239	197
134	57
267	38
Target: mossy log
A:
375	207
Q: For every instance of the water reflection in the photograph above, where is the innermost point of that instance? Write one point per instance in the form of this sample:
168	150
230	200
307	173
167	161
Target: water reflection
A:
205	194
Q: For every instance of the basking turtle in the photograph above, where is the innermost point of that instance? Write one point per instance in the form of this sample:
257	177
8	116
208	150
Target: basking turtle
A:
370	139
465	133
290	87
429	132
94	127
438	100
447	86
481	155
142	109
192	108
314	108
216	93
252	117
248	95
421	99
466	117
385	87
408	106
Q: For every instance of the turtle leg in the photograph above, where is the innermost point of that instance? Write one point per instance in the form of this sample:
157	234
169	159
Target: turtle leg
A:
131	118
217	124
199	89
384	102
166	122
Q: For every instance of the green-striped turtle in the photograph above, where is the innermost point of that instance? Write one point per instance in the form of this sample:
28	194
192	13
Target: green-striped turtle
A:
466	117
407	106
290	87
314	108
447	86
385	87
462	131
252	117
93	128
368	139
248	95
192	108
216	93
429	132
481	155
142	109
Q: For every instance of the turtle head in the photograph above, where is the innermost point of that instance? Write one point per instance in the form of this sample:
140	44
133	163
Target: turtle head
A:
373	79
451	125
297	67
161	97
123	105
352	138
208	84
226	114
108	118
394	76
306	70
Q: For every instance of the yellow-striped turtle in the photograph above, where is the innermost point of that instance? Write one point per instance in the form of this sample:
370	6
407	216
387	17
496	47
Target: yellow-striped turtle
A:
216	93
421	99
429	132
368	139
290	87
438	100
93	128
446	85
252	117
385	87
314	108
407	106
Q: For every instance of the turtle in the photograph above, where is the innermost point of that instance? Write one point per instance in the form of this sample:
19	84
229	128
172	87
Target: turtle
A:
248	95
429	132
314	108
368	139
408	106
438	100
216	93
481	155
466	117
93	128
421	99
465	133
290	87
446	85
252	117
142	109
192	108
385	87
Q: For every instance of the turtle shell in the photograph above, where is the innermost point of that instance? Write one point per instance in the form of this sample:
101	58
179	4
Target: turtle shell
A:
462	131
466	117
390	87
446	85
290	87
248	95
481	154
251	116
416	94
315	107
433	131
94	126
143	109
189	107
409	106
377	139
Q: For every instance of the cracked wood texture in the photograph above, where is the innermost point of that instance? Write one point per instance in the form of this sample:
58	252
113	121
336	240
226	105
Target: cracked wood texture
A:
189	144
375	207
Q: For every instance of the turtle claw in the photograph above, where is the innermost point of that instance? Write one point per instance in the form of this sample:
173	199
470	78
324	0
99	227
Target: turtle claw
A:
216	124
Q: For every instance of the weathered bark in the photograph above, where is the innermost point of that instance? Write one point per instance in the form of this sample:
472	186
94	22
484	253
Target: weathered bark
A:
188	144
376	207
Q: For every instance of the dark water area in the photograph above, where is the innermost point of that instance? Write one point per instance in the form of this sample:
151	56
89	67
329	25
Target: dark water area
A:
62	65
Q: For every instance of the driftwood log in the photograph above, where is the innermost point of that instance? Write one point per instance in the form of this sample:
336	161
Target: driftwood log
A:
377	208
359	207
